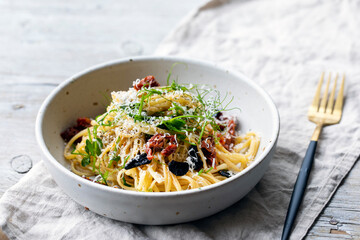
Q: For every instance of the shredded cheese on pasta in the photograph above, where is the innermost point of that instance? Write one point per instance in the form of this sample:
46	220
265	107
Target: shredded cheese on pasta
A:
183	116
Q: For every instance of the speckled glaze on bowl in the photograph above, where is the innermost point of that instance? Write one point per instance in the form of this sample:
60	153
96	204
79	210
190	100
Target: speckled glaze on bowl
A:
82	95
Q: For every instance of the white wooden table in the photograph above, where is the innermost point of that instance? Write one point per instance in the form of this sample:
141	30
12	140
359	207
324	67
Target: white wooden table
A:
44	42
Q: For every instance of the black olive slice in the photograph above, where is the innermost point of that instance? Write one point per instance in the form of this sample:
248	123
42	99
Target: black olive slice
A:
195	158
140	159
218	115
178	168
224	173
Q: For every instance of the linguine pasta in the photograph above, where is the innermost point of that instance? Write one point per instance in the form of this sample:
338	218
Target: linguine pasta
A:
161	138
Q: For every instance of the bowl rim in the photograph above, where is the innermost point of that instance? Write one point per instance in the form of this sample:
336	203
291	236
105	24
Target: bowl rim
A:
51	159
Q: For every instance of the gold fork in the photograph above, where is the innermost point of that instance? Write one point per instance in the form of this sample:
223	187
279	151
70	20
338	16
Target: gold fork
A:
321	113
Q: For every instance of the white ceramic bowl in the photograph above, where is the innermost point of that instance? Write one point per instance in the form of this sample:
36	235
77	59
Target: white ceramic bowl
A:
82	95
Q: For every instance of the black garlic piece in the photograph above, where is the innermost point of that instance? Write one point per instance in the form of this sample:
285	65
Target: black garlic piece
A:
140	159
224	173
195	158
178	168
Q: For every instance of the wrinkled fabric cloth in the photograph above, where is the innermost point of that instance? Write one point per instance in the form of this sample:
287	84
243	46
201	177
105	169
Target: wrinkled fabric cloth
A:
283	46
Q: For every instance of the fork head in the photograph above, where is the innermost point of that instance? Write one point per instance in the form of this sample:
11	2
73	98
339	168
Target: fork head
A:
322	110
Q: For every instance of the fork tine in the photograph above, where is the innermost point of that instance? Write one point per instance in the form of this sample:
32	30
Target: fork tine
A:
340	98
325	96
330	103
315	103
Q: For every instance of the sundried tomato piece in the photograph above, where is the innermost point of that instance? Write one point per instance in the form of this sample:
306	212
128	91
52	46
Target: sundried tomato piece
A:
155	143
69	133
83	123
148	81
228	139
231	127
225	141
172	146
169	150
208	148
158	142
149	153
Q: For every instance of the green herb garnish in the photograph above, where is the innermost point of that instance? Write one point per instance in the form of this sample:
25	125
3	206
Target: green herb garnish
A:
174	124
125	183
126	159
85	161
92	149
114	159
104	176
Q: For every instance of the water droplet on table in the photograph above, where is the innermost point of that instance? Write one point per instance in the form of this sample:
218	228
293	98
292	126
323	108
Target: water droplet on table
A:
21	163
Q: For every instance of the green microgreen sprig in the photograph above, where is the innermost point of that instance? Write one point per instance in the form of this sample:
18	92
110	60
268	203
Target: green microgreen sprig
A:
203	170
92	149
114	159
125	161
125	183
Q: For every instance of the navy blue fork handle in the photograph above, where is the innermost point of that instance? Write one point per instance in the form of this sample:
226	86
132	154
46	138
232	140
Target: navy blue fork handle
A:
299	189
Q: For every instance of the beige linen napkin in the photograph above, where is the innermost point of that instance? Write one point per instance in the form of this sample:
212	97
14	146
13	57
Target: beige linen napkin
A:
283	46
